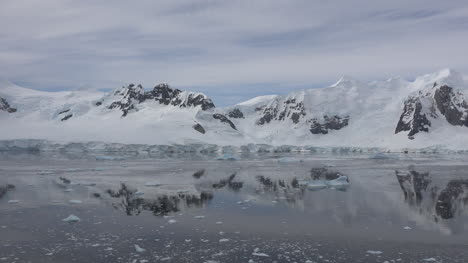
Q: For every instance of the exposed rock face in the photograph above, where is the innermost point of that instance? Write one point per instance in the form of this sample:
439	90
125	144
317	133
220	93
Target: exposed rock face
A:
413	119
199	128
4	106
236	114
132	95
68	116
452	105
433	103
175	97
282	110
328	123
224	119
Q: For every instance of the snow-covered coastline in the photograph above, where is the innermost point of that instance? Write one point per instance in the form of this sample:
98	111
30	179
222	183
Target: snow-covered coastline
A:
424	115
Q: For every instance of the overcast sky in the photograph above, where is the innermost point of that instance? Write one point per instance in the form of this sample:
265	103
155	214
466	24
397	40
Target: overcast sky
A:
230	50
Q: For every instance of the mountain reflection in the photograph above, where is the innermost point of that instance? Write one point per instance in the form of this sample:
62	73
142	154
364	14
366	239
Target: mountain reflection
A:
159	206
440	202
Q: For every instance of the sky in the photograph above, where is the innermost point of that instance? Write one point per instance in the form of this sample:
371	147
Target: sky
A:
230	50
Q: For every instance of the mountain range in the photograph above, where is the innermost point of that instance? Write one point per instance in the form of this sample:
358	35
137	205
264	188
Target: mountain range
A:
430	111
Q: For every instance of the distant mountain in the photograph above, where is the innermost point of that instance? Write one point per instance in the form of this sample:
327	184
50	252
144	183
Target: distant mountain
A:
432	110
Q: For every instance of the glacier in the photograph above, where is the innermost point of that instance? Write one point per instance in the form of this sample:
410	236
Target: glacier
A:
429	114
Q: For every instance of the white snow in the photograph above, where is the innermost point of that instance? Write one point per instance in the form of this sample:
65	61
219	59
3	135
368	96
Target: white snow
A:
373	108
138	249
72	218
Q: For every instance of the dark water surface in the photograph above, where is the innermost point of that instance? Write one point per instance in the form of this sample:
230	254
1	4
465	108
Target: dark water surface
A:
255	209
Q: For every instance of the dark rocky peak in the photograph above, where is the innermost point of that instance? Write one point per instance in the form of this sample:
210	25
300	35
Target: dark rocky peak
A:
236	114
5	106
164	94
452	105
288	109
435	102
413	119
224	119
327	123
128	97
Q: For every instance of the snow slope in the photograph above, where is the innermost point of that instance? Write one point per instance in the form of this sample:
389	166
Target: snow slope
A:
389	114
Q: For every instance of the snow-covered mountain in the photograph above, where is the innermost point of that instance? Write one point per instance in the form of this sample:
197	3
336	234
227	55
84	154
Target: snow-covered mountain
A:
432	110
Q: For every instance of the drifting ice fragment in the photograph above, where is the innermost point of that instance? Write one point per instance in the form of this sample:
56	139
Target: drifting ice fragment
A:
75	201
430	260
407	228
260	254
340	183
109	158
227	157
138	249
13	201
374	252
72	219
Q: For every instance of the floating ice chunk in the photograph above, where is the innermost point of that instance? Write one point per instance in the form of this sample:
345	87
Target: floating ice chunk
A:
72	219
219	223
222	240
260	254
172	221
374	252
75	201
227	157
154	184
13	201
340	183
430	259
290	160
316	185
109	158
138	249
199	217
139	193
68	190
407	228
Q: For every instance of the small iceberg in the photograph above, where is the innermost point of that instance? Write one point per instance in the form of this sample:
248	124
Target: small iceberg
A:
75	201
139	249
227	157
341	183
72	219
109	158
13	201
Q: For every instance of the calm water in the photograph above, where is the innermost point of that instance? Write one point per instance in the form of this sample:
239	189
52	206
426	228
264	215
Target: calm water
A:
255	209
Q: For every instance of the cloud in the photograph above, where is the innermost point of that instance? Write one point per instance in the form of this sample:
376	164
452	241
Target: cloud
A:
227	49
